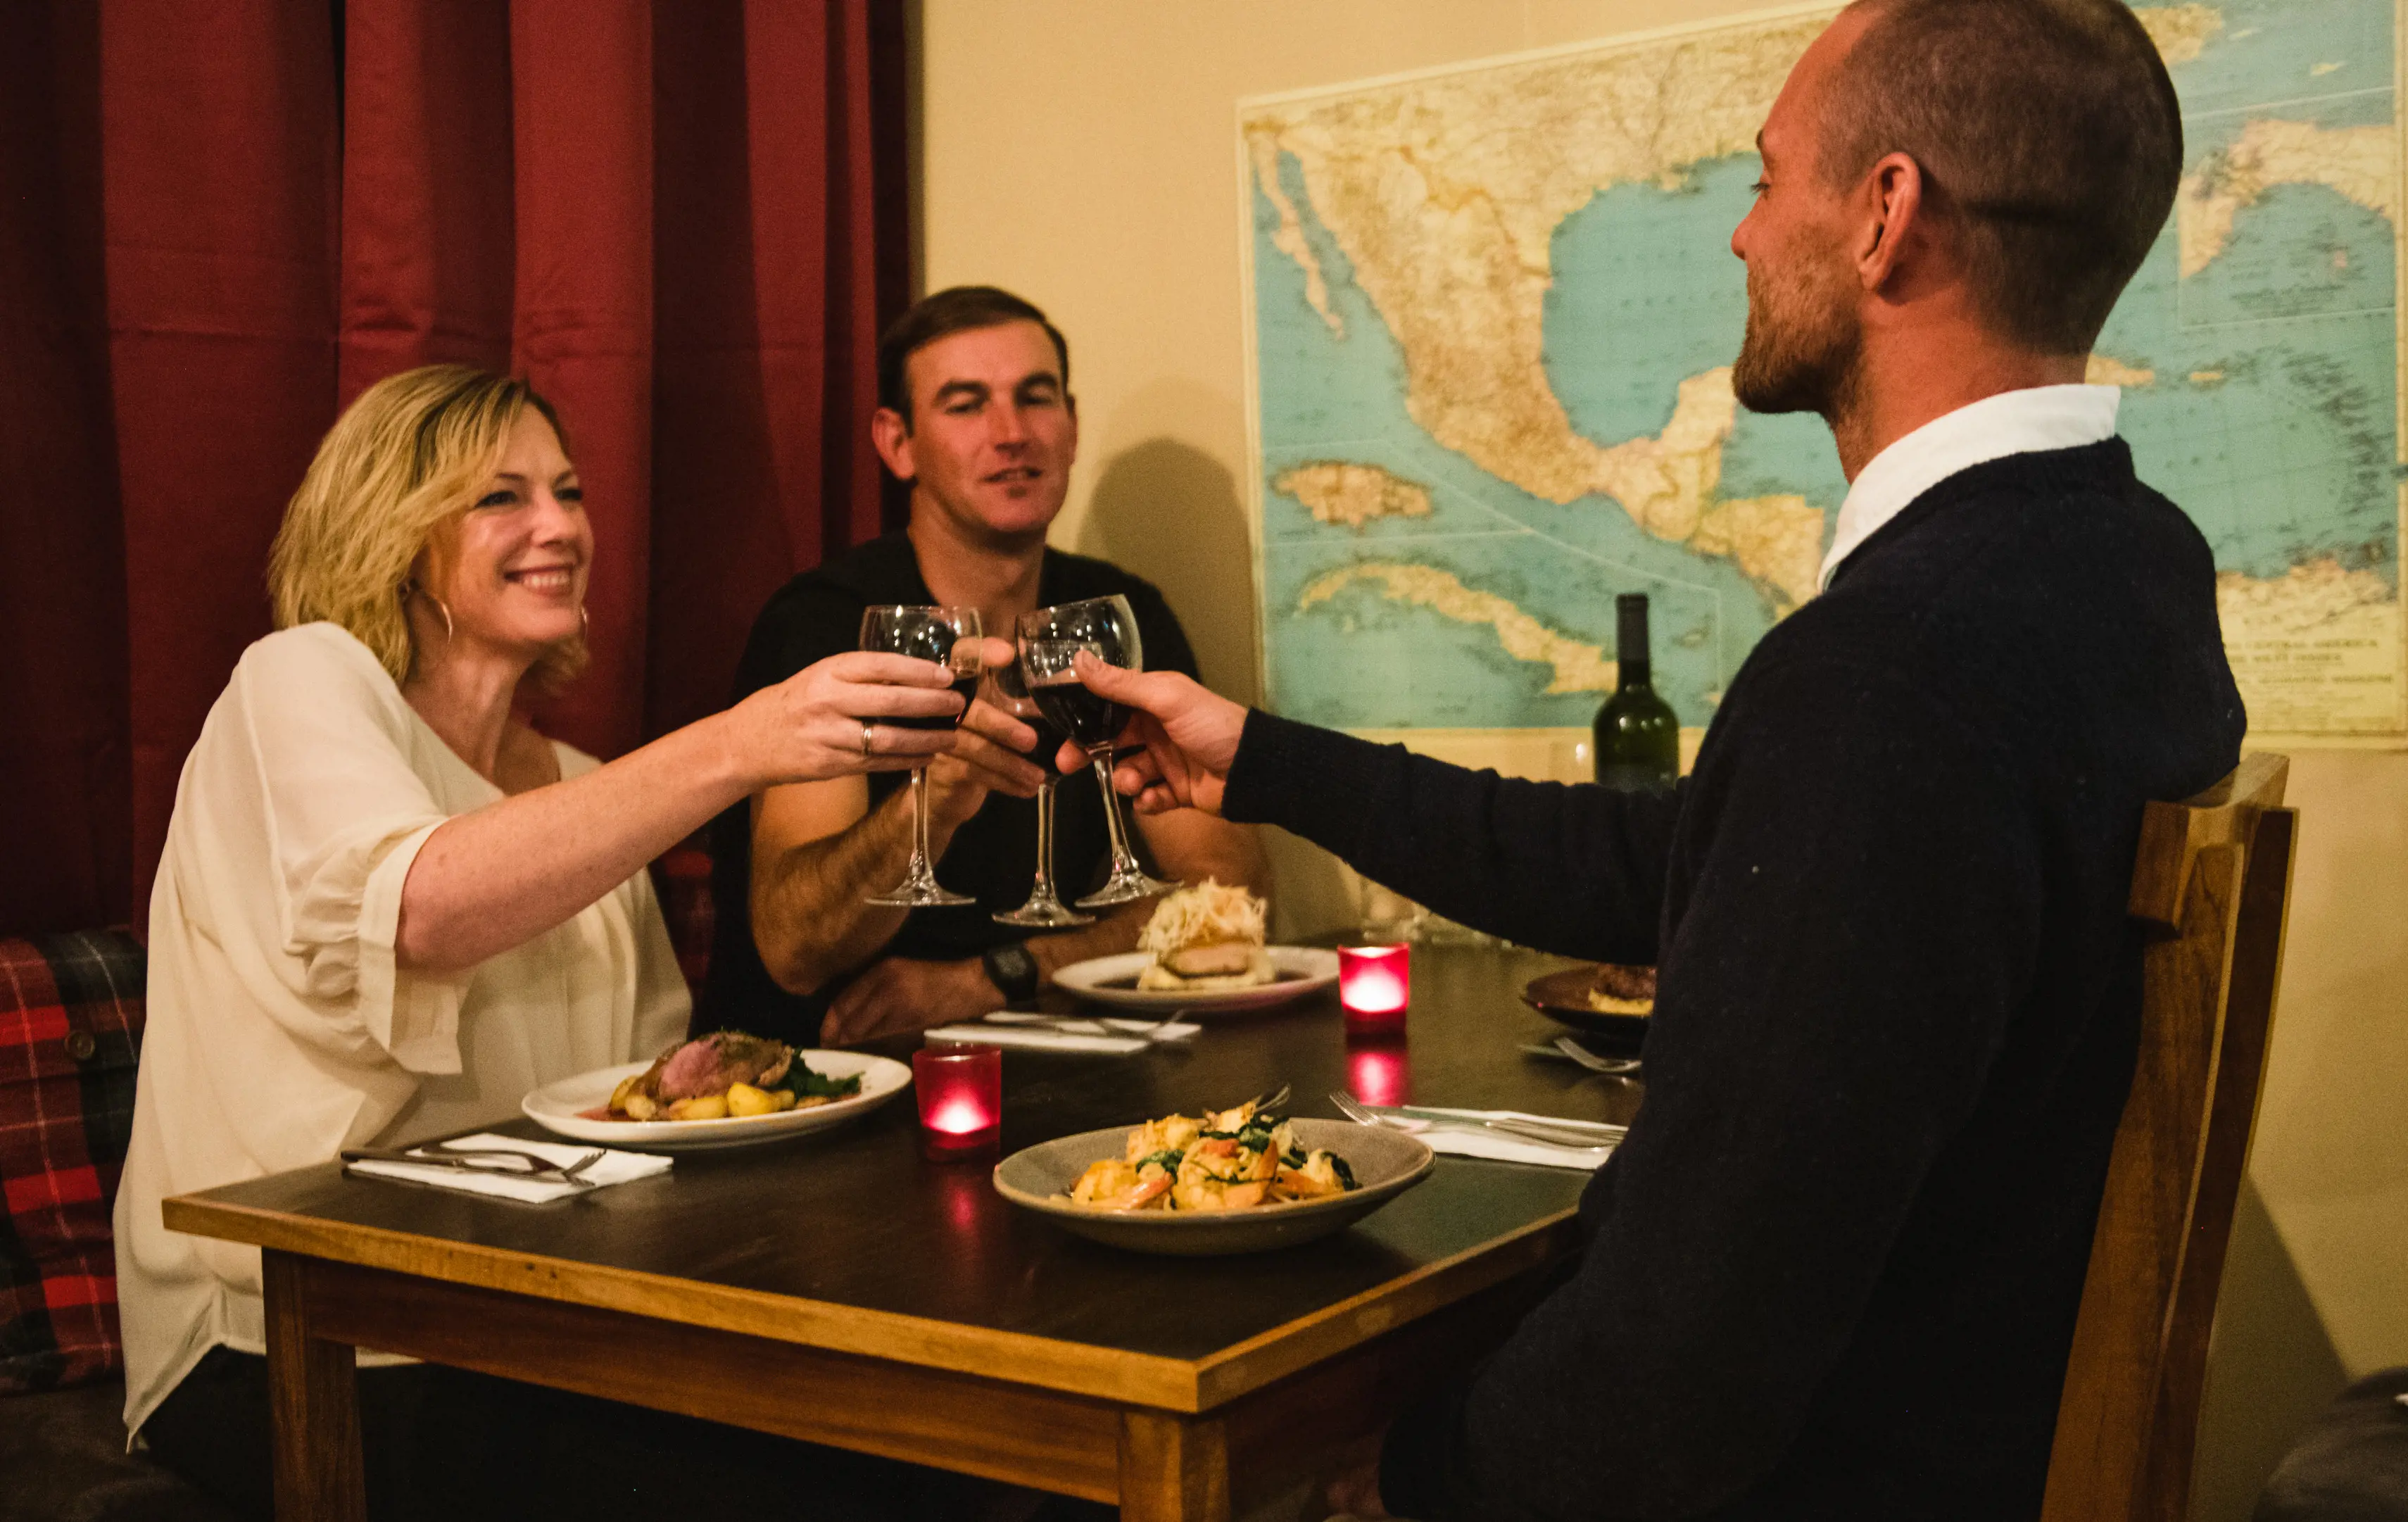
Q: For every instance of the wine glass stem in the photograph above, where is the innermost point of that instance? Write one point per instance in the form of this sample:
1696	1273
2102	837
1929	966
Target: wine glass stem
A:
1045	839
1121	861
919	824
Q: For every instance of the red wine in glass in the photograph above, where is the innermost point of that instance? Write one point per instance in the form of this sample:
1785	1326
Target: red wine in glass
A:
950	638
1044	909
1090	719
1051	641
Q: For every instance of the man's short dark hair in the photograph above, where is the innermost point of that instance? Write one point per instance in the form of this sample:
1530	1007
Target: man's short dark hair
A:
2049	139
956	309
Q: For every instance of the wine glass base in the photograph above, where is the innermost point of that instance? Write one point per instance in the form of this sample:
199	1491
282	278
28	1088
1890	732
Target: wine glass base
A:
1052	914
1127	889
909	897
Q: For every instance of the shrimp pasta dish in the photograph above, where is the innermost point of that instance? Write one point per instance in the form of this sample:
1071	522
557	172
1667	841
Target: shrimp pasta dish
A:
1221	1161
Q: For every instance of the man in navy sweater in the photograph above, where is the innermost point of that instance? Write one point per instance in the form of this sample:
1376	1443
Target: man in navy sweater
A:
1833	1272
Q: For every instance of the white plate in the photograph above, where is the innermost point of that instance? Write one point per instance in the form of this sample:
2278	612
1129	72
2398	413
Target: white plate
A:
1111	980
555	1108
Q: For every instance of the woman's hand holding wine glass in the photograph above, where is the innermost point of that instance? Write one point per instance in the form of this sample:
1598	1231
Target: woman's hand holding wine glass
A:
952	636
811	725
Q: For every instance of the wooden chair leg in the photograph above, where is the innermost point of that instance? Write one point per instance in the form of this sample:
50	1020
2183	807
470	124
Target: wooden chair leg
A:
313	1398
1173	1469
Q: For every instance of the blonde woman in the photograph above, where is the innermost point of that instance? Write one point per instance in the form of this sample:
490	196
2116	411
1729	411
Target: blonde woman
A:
387	907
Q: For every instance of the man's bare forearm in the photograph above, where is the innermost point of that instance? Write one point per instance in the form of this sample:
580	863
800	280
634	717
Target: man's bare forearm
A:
1114	932
1230	853
811	915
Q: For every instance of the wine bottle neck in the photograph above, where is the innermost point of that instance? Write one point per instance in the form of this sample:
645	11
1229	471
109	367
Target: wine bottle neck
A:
1630	641
1635	675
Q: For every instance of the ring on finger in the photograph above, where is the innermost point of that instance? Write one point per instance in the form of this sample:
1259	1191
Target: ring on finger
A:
868	736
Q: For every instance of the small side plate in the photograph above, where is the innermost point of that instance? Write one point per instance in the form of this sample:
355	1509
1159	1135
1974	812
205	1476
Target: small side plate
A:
1112	980
1564	996
558	1108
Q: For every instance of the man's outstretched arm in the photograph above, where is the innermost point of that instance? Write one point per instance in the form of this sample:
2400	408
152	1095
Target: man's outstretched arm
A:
1575	870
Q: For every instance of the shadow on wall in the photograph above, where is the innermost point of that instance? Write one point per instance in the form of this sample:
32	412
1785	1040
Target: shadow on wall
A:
1169	512
2271	1368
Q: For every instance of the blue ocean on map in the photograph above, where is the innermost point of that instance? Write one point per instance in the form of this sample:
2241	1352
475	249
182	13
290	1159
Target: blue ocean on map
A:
2260	395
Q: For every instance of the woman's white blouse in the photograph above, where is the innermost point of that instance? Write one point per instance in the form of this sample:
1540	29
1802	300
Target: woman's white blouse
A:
281	1031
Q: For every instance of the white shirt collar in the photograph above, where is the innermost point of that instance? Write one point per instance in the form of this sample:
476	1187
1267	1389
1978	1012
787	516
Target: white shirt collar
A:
2010	422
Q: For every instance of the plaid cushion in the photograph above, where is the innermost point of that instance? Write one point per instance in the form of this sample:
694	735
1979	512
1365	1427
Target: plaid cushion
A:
70	1029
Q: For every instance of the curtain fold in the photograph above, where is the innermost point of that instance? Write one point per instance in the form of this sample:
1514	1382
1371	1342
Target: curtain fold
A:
65	841
681	218
428	224
581	82
218	165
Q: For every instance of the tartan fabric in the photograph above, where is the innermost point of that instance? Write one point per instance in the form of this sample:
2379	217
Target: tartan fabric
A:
70	1030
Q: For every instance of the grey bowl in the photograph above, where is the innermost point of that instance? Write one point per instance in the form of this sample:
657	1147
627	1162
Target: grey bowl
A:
1386	1162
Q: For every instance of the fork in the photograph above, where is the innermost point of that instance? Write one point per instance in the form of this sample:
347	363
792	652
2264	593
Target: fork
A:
1570	1047
496	1160
1604	1066
1072	1025
1526	1130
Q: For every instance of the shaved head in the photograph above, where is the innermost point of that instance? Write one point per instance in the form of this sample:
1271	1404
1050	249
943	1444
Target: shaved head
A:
2049	136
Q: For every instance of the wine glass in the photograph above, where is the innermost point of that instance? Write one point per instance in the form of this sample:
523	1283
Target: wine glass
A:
949	637
1050	642
1044	909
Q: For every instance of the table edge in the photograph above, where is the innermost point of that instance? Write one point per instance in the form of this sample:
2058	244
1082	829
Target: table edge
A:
1059	1364
1291	1346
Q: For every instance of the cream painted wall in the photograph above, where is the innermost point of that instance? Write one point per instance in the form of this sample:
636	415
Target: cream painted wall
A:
1084	155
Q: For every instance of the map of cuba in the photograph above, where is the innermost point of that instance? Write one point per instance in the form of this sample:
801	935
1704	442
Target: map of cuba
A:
1493	314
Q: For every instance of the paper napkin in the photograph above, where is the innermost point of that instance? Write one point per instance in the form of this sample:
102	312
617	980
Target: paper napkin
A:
1472	1140
615	1166
1499	1147
1107	1036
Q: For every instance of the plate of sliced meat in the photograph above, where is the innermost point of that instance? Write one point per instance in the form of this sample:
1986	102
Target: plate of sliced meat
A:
726	1089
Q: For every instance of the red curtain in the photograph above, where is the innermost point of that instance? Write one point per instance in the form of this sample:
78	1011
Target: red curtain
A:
682	218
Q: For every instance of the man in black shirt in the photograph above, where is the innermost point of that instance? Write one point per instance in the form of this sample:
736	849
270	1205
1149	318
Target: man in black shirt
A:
1833	1272
976	413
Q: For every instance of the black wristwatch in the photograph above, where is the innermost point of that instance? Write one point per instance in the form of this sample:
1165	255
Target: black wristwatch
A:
1012	970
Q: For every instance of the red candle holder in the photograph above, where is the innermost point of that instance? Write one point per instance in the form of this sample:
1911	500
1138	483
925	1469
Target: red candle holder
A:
1375	983
960	1087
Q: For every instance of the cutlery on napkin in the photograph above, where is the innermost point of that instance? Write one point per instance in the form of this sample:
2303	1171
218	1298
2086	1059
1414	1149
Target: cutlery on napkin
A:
1065	1033
455	1164
1509	1136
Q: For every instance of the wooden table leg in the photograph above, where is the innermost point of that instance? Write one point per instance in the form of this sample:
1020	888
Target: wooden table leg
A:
1173	1469
313	1398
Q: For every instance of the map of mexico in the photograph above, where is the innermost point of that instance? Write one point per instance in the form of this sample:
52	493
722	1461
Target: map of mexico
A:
1494	311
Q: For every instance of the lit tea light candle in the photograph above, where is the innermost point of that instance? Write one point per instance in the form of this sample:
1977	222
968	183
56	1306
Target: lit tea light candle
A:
960	1087
1375	983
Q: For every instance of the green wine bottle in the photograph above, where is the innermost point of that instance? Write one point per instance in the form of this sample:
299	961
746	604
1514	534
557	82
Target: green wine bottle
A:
1638	737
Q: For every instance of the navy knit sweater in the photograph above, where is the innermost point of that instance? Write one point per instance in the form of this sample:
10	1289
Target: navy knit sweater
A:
1834	1270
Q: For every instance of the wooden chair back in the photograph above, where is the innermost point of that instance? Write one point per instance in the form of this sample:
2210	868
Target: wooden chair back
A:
2210	886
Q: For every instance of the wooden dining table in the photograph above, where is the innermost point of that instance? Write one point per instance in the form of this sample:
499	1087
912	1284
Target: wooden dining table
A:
836	1287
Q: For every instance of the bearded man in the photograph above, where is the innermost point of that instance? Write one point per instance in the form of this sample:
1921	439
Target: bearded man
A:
1834	1271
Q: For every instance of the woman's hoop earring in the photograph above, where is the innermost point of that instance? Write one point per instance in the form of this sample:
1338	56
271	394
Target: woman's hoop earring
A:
410	589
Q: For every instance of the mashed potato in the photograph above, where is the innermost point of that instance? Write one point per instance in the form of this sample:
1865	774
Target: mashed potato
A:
1205	938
